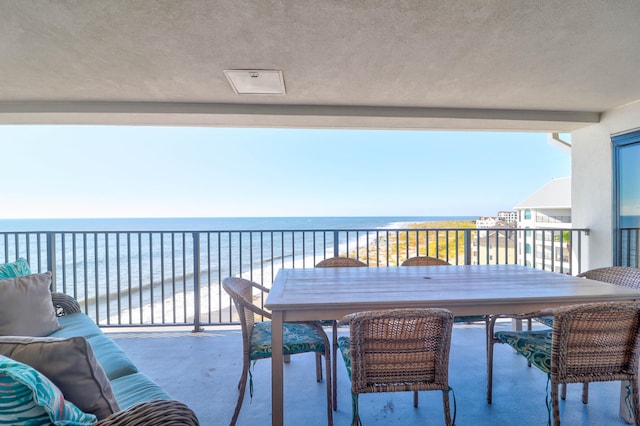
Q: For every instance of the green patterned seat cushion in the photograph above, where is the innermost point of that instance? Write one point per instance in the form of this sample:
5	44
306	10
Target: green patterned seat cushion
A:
297	338
19	268
344	343
533	345
546	320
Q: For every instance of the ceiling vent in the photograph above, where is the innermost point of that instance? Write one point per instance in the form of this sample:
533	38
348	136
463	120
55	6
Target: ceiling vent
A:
256	82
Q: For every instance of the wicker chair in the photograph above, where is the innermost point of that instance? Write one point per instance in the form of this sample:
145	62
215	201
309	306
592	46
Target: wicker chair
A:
398	350
299	337
434	261
340	262
424	261
618	275
337	262
595	342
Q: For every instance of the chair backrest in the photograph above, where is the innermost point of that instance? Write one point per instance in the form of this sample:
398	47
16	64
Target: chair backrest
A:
241	292
424	261
340	262
400	350
597	341
620	275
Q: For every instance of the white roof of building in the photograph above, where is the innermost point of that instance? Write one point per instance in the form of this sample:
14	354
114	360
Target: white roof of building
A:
554	195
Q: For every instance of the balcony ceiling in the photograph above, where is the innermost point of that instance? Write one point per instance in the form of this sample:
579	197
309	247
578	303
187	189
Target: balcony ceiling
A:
457	64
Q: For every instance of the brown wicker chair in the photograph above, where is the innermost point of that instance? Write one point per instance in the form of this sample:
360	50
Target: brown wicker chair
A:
398	350
595	342
299	337
340	262
337	262
618	275
424	261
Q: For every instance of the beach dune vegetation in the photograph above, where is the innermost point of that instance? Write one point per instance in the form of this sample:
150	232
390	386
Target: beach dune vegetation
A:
442	239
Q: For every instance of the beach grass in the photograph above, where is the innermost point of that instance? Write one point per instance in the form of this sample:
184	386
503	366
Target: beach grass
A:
442	239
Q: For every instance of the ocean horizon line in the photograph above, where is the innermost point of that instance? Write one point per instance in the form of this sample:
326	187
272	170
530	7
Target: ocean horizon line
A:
215	223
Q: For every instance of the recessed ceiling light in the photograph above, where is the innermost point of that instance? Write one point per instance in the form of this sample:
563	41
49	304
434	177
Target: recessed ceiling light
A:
256	82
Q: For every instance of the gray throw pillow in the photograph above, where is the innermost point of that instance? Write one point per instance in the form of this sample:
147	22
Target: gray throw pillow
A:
71	365
26	308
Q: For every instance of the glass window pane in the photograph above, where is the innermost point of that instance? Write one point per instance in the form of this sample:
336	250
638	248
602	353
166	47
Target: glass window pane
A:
629	185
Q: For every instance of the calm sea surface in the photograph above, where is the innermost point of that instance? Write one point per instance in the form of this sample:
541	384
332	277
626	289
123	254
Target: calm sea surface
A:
217	224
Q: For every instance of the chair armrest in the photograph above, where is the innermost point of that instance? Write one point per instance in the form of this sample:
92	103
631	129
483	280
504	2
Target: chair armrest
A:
156	412
64	304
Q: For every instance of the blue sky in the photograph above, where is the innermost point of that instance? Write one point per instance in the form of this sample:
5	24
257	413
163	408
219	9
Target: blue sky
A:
111	171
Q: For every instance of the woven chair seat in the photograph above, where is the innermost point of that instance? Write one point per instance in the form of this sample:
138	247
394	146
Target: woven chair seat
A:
535	346
297	337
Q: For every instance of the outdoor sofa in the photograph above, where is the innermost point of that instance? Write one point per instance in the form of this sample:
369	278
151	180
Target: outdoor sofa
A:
58	367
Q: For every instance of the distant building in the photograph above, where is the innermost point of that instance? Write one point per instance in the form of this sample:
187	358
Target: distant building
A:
509	217
493	242
503	220
547	212
493	247
487	222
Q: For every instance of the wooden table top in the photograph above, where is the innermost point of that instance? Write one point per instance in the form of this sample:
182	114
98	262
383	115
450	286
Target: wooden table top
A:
466	290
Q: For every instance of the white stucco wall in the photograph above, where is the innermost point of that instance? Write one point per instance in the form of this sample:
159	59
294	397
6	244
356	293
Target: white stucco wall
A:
592	182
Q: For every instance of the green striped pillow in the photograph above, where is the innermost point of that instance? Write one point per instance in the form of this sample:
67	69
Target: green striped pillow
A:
19	268
28	397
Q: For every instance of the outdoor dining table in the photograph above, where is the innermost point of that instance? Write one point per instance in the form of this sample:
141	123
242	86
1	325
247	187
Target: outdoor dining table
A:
330	293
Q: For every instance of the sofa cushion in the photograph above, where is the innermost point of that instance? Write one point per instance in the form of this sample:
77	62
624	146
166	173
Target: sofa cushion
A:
70	364
28	397
19	268
135	388
110	355
77	324
113	359
25	303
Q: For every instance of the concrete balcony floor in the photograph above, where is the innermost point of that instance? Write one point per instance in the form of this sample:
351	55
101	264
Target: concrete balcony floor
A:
203	369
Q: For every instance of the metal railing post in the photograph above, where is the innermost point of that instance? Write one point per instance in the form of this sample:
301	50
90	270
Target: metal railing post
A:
336	243
196	281
467	246
51	258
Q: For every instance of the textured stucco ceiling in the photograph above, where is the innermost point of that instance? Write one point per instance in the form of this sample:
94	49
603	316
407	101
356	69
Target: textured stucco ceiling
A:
494	64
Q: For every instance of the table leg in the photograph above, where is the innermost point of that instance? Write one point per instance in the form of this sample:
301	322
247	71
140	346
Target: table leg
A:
277	398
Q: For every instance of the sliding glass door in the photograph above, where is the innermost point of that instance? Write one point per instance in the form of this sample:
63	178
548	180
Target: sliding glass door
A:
626	169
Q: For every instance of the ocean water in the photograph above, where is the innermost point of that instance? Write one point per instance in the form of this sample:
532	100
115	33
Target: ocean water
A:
216	224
